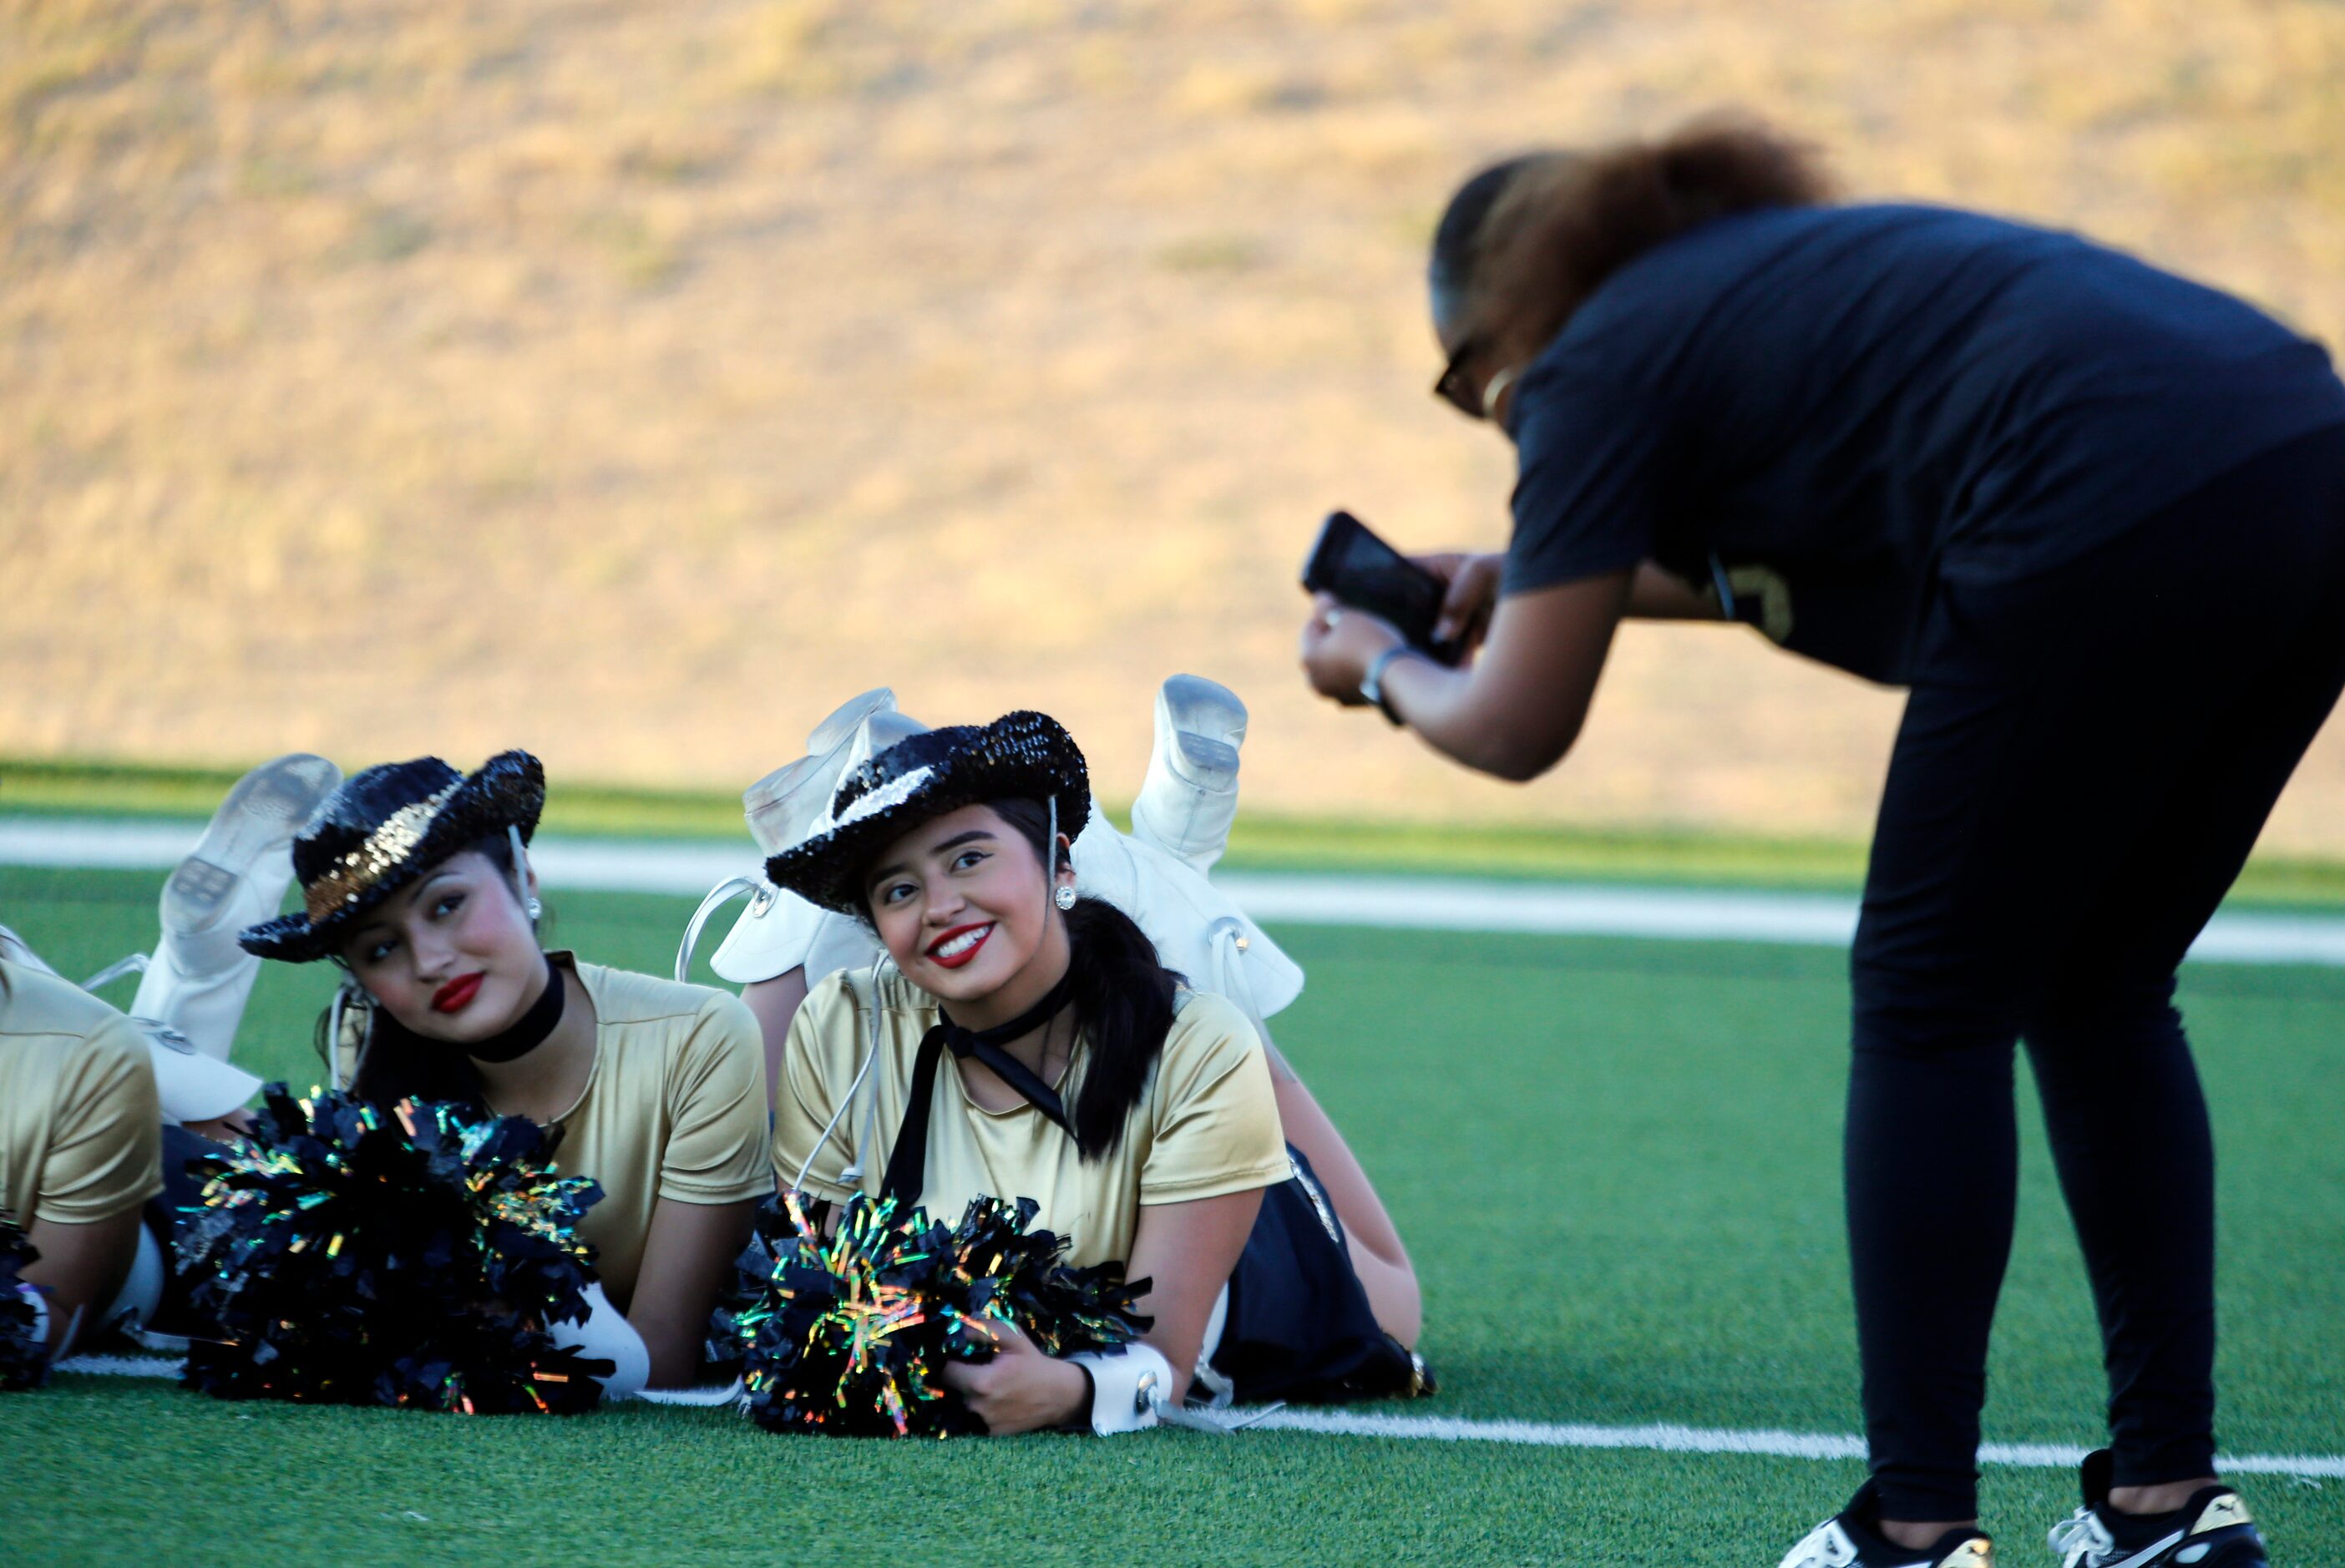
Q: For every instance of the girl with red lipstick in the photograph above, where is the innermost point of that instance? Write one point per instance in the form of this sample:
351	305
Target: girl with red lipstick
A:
1021	1041
413	877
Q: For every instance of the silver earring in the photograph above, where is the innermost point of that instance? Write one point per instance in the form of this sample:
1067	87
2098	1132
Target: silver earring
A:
1065	897
534	909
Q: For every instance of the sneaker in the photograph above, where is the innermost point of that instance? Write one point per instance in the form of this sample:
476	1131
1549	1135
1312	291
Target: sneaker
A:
198	979
1852	1539
1189	795
2212	1530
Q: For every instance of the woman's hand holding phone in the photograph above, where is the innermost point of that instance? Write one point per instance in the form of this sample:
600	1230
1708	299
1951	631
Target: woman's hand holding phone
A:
1338	644
1472	580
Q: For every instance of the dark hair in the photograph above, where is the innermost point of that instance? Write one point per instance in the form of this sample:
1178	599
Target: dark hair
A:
399	1064
1451	270
1525	242
1122	996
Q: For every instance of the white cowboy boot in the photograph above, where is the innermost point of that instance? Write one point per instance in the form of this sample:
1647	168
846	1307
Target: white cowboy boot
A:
1189	795
198	979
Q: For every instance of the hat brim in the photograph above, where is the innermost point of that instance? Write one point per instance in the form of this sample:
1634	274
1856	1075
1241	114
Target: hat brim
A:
1023	755
508	791
193	1087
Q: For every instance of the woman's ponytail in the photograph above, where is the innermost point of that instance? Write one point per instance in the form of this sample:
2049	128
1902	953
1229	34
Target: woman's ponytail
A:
1525	242
1123	997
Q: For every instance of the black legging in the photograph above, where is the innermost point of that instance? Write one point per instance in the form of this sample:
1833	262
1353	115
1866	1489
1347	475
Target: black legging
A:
2084	761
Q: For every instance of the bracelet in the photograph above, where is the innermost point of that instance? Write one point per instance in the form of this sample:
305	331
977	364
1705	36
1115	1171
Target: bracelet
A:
1372	684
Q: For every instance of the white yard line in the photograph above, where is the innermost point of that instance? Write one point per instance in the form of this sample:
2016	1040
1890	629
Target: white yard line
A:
1654	1438
1423	903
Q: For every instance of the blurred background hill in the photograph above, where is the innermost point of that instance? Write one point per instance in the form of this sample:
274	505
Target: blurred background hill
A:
634	382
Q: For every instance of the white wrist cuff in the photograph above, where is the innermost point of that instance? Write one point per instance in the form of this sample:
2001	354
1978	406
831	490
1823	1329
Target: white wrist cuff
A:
40	1300
1127	1387
606	1336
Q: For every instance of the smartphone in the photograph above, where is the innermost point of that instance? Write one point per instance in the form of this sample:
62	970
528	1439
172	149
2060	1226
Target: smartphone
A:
1361	570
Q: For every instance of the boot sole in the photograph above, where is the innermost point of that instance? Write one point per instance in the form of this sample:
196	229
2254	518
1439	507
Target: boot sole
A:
1205	709
1208	724
847	718
268	807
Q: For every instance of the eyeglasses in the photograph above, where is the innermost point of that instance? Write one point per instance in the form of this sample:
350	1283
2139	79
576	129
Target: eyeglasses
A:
1453	388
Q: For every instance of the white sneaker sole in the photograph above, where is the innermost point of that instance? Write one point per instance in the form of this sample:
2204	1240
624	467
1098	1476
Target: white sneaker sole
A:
268	807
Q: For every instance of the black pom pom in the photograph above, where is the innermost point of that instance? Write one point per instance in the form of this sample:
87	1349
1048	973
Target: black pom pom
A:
413	1255
23	1359
851	1333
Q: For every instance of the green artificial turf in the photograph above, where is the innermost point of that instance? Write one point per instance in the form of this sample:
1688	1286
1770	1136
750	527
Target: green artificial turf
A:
1616	1162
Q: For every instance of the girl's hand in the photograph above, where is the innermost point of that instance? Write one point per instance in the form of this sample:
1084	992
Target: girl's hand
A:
1020	1388
1338	644
1473	583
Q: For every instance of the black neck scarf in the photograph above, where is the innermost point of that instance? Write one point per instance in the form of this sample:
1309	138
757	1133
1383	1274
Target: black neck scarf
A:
530	1029
907	1162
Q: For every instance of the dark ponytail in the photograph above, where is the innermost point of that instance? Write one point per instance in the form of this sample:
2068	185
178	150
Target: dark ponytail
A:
1122	1001
1525	242
399	1064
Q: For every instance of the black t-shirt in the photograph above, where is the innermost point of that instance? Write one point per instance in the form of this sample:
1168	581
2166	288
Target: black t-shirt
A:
1828	409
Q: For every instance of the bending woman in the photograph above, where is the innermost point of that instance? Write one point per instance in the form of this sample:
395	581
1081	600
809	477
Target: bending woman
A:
414	879
1028	1043
2093	516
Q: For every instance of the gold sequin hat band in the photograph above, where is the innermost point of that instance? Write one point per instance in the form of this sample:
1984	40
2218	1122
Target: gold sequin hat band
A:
384	828
1023	755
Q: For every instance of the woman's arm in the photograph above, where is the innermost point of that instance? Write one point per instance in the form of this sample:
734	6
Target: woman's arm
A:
82	1268
687	1259
774	1004
1186	1252
1518	707
1655	594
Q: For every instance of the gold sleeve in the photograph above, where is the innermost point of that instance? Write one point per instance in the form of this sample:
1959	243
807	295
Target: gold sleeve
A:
718	1145
1217	1129
106	1149
823	1039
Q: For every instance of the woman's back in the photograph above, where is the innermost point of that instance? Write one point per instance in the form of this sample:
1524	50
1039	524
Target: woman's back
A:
1877	393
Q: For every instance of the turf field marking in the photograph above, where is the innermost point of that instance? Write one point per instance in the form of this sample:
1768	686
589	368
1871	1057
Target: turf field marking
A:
1411	903
121	1366
1660	1438
1670	1439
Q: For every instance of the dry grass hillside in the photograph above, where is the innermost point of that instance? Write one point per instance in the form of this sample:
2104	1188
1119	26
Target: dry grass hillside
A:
634	382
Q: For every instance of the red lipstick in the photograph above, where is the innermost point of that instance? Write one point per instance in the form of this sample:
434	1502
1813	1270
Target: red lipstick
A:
983	927
457	994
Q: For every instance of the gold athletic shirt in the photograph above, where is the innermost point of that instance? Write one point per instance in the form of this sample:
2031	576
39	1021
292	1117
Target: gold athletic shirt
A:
1206	1125
81	1135
673	1106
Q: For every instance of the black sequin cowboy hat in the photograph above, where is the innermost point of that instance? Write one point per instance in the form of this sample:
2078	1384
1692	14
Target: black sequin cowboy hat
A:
381	830
1022	756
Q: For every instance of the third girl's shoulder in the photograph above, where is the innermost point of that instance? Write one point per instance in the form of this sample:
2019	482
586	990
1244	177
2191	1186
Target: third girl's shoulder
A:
853	990
838	1009
1211	1035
